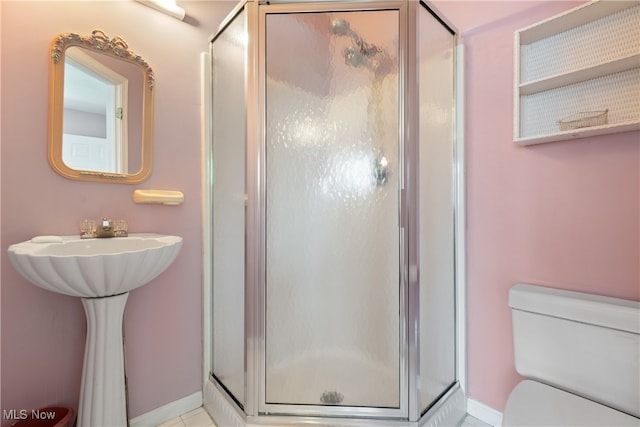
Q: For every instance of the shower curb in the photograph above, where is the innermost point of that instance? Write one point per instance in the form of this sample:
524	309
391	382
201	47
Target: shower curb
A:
450	412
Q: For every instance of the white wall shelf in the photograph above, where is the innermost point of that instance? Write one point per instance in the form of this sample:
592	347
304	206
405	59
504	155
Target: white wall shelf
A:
586	59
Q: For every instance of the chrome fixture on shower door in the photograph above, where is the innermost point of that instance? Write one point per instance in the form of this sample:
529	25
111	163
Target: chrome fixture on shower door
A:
333	206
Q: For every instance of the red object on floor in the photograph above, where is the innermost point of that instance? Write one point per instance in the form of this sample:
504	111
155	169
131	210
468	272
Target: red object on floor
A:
51	416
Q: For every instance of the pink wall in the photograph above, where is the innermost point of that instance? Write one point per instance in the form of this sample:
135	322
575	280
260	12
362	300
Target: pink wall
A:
43	333
564	214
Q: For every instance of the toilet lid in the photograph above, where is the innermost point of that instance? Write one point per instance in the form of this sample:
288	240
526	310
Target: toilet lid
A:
535	404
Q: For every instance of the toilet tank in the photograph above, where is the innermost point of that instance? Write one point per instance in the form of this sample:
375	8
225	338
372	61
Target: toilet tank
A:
582	343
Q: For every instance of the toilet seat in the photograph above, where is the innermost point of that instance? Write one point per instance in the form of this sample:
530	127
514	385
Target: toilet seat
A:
535	404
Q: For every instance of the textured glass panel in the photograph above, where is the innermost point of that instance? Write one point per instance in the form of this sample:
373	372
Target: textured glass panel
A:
436	245
229	150
332	242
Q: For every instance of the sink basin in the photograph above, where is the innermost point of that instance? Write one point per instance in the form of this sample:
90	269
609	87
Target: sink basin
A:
101	272
92	268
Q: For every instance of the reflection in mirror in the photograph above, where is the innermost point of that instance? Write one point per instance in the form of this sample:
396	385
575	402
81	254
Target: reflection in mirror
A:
101	123
101	109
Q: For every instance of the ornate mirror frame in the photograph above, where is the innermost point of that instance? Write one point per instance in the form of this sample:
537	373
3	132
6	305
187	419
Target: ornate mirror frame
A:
116	48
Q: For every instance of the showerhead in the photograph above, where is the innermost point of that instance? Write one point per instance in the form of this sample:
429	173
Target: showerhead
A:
355	57
362	53
341	27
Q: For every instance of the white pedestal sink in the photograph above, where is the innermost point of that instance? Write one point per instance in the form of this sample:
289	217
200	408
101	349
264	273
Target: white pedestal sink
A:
101	272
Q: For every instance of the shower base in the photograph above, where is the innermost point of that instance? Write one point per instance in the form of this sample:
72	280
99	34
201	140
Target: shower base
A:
318	378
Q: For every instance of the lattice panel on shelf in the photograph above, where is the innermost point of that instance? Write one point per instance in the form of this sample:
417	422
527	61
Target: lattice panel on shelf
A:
620	93
605	39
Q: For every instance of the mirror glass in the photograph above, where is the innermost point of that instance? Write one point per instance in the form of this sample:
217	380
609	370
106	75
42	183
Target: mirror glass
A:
101	109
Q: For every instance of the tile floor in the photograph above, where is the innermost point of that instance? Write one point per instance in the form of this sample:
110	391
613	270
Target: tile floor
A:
470	421
196	418
200	418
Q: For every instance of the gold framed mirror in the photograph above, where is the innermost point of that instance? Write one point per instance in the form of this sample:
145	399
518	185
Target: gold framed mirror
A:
100	109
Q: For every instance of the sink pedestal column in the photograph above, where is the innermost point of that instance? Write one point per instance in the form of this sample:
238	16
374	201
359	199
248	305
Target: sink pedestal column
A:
102	394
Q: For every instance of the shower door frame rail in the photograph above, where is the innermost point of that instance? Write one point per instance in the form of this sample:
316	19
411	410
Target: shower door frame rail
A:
259	291
255	410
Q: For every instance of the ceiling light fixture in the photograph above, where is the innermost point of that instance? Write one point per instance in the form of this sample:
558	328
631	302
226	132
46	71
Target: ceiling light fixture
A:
165	6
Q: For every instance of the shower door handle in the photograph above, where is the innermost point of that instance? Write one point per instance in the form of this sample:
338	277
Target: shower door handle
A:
413	273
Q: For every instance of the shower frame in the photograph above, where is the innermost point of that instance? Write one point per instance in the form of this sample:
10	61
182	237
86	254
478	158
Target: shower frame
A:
256	411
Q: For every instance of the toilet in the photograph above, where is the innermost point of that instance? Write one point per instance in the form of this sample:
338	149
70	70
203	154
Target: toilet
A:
580	355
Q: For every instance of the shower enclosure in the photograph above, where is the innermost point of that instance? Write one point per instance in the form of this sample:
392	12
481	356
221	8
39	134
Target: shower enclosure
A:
333	165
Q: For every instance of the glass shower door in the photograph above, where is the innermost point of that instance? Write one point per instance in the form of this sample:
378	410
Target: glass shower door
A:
436	237
332	171
229	53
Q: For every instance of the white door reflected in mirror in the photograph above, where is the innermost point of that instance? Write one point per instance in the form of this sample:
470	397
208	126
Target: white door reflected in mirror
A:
95	127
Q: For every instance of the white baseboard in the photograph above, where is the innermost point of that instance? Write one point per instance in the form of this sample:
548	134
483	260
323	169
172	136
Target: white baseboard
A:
484	413
168	411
